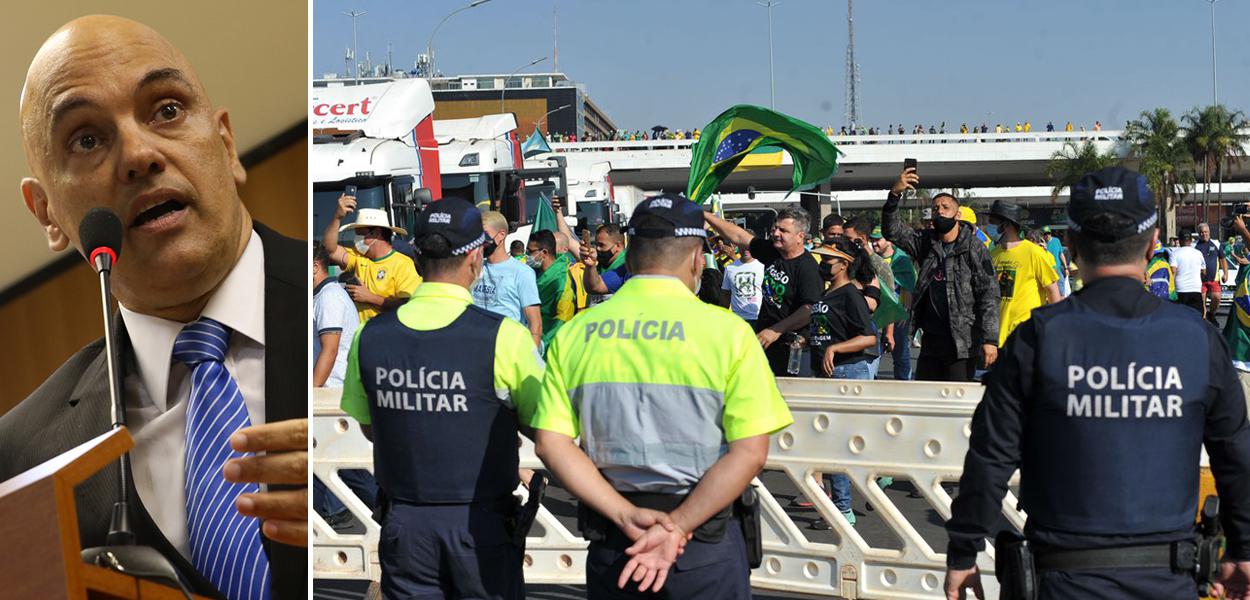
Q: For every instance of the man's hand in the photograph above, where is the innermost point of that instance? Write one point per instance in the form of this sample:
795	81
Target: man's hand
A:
361	294
347	204
590	256
828	361
887	340
280	456
652	556
908	180
958	580
1233	582
638	521
767	337
990	353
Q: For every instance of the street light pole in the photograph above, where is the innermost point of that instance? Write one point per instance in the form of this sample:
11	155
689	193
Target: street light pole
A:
504	90
1214	79
540	121
353	14
772	82
429	44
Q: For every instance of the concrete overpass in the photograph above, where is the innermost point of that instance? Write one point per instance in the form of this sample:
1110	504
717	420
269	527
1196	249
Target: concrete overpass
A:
869	163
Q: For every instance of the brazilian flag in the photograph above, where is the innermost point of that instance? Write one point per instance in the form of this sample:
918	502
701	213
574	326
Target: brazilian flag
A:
1159	278
739	131
1237	329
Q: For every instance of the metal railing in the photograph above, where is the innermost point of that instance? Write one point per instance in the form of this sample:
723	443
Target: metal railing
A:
916	431
858	140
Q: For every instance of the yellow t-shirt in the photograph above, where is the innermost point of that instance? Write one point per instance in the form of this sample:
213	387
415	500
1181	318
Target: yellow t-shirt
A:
392	276
1024	272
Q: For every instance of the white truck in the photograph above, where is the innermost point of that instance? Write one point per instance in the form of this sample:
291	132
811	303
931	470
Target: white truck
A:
479	161
378	141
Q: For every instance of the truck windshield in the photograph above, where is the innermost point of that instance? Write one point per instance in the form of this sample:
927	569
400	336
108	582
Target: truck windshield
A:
326	201
474	187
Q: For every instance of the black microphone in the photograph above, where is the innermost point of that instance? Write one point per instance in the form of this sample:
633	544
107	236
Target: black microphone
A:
100	233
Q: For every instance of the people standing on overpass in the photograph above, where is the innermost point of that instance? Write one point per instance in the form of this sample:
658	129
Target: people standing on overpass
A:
1214	272
1050	126
1026	273
1054	246
1190	267
1097	125
791	280
1068	127
673	405
957	299
1108	471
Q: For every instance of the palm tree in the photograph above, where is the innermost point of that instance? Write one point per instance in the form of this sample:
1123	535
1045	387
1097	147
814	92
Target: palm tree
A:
1154	140
1216	137
1072	162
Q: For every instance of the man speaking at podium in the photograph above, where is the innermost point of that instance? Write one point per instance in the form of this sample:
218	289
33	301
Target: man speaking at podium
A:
112	115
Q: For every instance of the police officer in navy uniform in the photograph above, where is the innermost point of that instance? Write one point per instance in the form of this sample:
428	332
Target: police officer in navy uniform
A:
442	387
1103	401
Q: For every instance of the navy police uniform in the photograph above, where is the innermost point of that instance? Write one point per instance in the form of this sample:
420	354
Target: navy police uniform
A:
1103	402
443	387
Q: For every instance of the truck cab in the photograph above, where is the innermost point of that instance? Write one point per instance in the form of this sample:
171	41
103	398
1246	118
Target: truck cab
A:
379	139
479	160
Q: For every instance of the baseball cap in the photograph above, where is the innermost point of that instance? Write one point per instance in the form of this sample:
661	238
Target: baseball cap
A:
684	218
1046	229
1112	191
876	233
459	222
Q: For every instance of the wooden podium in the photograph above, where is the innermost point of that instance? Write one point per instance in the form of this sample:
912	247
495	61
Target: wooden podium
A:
41	554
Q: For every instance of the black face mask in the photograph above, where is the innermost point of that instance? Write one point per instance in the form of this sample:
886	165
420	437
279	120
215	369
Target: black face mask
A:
605	260
488	247
826	271
942	225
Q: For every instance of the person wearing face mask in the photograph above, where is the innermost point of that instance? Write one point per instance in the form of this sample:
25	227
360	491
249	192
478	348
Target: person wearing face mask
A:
506	286
1026	272
385	278
673	409
440	373
557	291
957	299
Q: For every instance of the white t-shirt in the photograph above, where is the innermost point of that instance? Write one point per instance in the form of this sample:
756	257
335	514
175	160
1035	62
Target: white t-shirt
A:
1189	263
744	283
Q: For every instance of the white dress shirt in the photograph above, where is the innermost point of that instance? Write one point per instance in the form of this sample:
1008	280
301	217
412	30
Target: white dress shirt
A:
156	395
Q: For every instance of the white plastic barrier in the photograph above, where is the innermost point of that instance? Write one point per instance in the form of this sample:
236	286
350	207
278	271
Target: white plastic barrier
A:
865	429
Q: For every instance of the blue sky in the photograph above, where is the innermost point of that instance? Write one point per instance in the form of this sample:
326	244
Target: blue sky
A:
680	62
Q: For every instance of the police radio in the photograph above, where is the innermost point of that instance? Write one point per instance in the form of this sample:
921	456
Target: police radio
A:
1210	541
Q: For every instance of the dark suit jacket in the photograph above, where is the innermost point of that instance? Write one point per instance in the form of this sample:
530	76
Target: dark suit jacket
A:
72	406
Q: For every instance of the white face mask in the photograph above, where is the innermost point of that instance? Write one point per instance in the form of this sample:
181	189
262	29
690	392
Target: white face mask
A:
362	245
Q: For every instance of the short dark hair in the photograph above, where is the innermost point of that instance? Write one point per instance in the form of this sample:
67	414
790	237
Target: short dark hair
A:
832	221
436	245
516	245
545	240
320	255
657	253
1187	236
614	232
941	195
1097	253
860	225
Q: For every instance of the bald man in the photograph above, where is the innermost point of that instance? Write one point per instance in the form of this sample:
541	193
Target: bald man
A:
212	304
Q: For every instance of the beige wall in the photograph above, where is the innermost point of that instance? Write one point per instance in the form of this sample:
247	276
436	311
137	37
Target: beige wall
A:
49	322
527	110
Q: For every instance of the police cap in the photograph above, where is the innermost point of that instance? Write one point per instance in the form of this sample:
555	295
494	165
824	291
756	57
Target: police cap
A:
1112	191
684	218
459	222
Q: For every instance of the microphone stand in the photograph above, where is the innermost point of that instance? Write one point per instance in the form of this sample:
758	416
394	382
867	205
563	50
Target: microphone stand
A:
120	552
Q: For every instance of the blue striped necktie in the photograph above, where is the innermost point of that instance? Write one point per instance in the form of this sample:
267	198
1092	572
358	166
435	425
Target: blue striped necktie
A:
225	546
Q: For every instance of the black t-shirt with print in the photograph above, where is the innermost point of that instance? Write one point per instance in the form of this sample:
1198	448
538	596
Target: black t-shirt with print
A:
839	316
788	282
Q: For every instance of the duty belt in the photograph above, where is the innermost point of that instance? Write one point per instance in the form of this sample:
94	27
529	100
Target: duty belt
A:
1178	556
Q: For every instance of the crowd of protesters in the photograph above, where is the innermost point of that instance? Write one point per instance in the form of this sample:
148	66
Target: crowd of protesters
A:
660	133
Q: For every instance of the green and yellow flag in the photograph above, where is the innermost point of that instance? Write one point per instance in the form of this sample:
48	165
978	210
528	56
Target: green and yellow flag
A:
545	218
739	131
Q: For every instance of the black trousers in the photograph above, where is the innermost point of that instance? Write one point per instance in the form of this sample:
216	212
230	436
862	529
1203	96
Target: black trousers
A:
938	362
704	570
1116	584
1194	300
448	551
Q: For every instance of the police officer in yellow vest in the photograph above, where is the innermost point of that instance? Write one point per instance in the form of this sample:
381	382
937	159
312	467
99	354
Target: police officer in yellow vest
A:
673	401
1105	417
441	387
